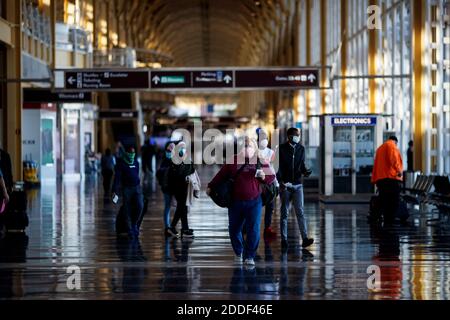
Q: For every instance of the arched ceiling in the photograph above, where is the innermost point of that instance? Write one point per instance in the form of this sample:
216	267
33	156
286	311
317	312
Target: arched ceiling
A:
208	32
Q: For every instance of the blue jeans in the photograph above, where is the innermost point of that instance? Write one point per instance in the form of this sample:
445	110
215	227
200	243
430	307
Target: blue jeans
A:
133	204
246	213
167	203
294	194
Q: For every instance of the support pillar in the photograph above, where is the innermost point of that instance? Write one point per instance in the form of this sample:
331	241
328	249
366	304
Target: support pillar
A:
344	38
14	91
373	45
419	27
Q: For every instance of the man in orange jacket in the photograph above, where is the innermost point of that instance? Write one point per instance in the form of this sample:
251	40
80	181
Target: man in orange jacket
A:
387	174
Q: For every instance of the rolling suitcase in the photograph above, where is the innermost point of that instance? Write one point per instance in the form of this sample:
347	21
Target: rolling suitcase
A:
375	216
374	210
15	218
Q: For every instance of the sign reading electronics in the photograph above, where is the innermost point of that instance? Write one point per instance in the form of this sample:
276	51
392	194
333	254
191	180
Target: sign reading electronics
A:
353	121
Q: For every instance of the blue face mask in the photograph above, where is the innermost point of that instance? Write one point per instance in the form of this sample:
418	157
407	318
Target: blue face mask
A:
182	152
169	154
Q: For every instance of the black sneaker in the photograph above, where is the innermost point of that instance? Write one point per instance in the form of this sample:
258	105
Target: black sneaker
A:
172	232
307	242
189	233
284	244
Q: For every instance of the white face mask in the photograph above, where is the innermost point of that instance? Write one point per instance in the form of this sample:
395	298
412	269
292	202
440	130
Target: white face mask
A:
264	143
295	139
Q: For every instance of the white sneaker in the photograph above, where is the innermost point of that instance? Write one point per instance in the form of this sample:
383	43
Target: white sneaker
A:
238	259
249	262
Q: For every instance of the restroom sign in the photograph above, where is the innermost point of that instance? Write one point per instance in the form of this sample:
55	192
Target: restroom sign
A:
345	121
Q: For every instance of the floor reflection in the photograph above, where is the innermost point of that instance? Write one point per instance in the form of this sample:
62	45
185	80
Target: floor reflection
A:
72	223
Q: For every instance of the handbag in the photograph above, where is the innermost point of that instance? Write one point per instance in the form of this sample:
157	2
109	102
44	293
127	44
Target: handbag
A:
268	192
222	193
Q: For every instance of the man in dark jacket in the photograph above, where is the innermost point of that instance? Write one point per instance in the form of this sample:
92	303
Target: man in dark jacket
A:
290	175
6	167
127	180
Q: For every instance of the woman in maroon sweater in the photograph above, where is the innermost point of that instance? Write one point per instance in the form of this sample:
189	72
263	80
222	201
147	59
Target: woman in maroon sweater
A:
245	210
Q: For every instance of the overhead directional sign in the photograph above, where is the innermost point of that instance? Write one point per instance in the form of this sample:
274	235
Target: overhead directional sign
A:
278	78
182	79
101	80
212	79
170	79
32	95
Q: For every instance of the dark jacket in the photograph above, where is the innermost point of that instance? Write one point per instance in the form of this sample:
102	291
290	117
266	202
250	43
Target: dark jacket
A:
177	176
126	175
291	163
107	162
163	174
6	167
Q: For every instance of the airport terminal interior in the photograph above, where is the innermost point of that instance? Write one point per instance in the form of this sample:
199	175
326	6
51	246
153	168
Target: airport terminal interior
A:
98	98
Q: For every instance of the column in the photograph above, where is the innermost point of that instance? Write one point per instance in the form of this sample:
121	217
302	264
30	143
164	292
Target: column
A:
418	18
373	46
14	91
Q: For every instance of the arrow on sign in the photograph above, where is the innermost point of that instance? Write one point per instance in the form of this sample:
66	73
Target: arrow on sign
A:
71	80
227	79
156	79
312	78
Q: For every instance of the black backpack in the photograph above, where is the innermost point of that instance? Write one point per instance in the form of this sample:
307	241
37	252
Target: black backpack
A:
222	193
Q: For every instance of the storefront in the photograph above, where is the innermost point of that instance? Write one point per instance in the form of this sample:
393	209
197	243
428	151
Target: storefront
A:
39	139
72	127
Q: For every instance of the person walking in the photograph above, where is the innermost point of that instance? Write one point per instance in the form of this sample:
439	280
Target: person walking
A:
126	180
4	197
266	157
292	170
410	156
107	163
245	209
6	167
163	180
178	187
387	175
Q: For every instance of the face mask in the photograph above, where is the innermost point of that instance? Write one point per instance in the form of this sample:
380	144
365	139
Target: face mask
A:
182	152
129	157
169	154
295	139
264	143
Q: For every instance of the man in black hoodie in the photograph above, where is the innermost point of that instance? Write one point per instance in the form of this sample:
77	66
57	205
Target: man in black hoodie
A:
290	175
126	180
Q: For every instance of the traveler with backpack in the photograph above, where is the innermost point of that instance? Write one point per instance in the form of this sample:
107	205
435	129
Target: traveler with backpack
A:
127	180
163	180
245	206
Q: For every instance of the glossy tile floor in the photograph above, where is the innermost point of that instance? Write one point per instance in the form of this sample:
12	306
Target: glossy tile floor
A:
72	224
